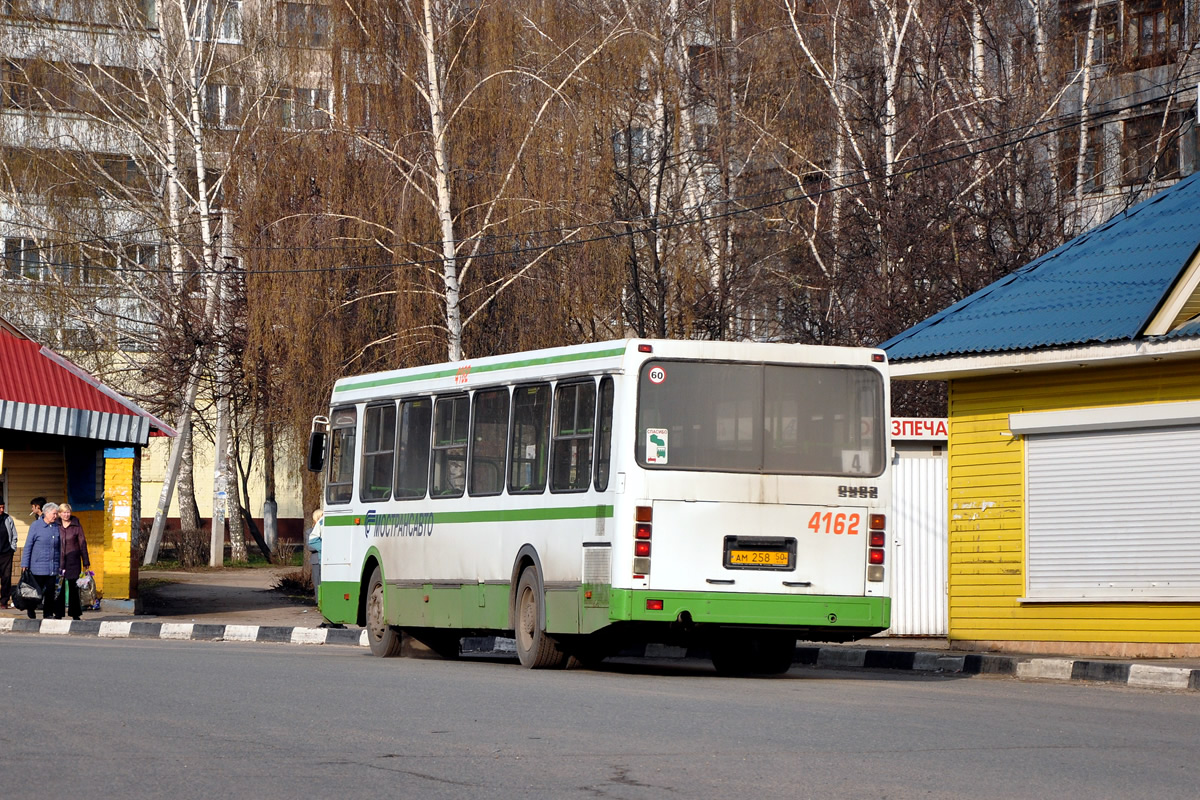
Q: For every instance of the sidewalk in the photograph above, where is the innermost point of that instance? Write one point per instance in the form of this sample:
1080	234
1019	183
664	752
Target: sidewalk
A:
243	605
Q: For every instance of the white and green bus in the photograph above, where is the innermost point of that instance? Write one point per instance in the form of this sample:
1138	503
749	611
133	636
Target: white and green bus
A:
582	499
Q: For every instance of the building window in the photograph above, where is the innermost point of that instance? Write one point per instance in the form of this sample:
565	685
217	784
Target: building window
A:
22	259
363	105
1150	149
221	106
304	24
1093	160
216	20
302	109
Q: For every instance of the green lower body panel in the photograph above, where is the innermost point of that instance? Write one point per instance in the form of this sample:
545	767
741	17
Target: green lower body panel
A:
485	607
338	601
717	608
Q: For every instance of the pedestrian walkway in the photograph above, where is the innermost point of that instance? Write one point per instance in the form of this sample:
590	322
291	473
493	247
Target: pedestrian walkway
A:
243	605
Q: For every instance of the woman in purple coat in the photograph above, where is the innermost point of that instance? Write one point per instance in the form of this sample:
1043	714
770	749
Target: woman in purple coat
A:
42	556
74	557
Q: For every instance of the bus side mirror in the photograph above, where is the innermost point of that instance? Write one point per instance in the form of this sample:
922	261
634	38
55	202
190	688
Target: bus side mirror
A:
316	451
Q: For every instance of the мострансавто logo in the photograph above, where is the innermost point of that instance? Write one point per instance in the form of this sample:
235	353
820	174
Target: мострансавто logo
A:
389	525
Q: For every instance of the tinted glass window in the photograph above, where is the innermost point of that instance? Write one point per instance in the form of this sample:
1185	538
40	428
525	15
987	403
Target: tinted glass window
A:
574	428
339	479
379	442
416	418
604	433
530	439
490	426
450	418
799	420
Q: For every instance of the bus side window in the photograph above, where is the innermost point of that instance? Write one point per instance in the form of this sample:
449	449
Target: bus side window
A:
450	418
574	425
489	424
604	433
379	442
412	474
339	479
530	437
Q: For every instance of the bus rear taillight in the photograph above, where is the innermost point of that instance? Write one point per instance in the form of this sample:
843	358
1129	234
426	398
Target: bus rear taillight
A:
654	605
876	542
643	517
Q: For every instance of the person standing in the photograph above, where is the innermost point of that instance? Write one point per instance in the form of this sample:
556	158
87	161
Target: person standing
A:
74	557
41	556
8	546
35	507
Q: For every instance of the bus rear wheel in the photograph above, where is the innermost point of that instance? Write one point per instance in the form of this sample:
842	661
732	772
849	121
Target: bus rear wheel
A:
383	638
535	649
753	654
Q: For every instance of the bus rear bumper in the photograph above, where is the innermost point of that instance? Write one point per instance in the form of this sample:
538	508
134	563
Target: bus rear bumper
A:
862	615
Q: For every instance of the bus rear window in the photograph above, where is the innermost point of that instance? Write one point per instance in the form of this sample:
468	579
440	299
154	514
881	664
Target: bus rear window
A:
762	418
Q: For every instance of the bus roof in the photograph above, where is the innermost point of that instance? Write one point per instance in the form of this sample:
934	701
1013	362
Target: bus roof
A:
582	359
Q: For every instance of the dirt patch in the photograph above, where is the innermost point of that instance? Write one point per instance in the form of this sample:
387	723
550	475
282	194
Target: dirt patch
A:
226	596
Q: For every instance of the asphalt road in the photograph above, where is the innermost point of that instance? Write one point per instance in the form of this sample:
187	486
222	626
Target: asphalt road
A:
180	720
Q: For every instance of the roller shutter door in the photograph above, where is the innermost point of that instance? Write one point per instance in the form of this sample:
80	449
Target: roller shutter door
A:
1114	514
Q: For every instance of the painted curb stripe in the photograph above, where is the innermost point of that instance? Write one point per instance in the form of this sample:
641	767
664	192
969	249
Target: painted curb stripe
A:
6	624
241	633
114	630
56	627
308	635
175	630
476	369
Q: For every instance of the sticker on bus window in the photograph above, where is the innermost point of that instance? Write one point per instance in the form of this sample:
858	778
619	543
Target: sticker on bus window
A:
656	445
657	375
856	461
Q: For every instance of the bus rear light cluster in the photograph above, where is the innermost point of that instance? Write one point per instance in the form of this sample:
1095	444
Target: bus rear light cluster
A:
876	542
643	517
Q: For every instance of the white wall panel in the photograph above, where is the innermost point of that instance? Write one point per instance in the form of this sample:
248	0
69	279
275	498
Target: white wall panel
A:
919	531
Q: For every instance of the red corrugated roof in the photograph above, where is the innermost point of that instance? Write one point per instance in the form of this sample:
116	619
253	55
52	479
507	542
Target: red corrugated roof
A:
28	374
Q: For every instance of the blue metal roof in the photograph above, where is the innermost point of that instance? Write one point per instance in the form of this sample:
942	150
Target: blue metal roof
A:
1102	286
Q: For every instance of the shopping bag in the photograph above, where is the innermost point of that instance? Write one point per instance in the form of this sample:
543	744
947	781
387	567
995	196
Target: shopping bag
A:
28	589
86	584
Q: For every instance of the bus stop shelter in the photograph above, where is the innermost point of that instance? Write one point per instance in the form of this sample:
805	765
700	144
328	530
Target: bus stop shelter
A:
66	436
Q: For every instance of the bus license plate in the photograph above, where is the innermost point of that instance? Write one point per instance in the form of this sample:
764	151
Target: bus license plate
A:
760	552
761	558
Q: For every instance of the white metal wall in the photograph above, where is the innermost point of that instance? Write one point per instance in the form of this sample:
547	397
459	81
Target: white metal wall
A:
920	533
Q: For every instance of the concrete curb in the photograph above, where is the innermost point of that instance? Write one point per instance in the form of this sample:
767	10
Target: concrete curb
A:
186	631
1149	676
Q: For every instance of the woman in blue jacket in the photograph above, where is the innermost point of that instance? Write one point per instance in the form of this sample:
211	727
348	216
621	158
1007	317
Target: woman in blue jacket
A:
41	556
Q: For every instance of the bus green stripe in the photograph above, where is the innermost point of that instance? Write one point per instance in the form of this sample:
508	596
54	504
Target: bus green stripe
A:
492	515
477	368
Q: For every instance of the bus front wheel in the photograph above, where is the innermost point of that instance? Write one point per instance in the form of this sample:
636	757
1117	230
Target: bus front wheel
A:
383	638
535	649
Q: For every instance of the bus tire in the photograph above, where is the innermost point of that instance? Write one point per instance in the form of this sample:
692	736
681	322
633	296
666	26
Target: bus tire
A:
535	649
759	654
383	638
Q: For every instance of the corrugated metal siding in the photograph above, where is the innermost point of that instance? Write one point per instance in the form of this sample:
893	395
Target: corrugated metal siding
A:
1114	513
59	421
920	534
986	493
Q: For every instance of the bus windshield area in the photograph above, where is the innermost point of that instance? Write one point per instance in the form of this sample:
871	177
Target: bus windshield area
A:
761	418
